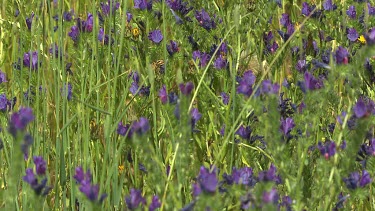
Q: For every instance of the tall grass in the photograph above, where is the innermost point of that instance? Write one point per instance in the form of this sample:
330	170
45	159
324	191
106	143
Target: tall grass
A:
106	129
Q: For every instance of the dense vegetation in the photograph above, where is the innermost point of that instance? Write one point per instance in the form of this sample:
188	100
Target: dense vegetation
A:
187	105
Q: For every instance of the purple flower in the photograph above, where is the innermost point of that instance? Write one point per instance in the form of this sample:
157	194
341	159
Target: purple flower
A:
29	21
268	88
205	20
364	107
186	88
351	12
244	132
301	66
306	9
271	197
134	199
342	55
30	177
270	175
163	95
222	131
142	4
129	17
284	20
352	34
155	203
371	9
245	83
34	60
195	116
244	176
91	191
155	36
207	180
328	149
106	7
3	77
3	102
134	88
86	187
40	165
172	47
220	63
225	98
196	189
141	126
86	26
74	33
287	125
67	16
340	202
80	176
310	82
354	180
20	120
123	130
328	5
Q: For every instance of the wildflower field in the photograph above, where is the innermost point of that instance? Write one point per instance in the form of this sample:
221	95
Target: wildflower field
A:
187	105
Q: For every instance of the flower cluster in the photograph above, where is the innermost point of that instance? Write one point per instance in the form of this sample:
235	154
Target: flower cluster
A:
86	187
40	188
139	127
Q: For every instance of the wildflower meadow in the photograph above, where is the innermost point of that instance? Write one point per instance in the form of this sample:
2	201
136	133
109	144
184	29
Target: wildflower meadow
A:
187	105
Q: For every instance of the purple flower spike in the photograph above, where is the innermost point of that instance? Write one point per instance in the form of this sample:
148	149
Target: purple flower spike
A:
244	176
155	203
287	125
195	116
29	21
284	20
352	34
225	98
220	63
244	132
271	197
246	83
329	6
134	199
196	189
328	149
20	120
351	12
30	177
342	55
355	180
163	95
91	191
3	102
365	179
205	20
155	36
172	47
106	7
34	60
40	165
123	130
3	77
142	126
74	33
187	88
270	175
208	180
